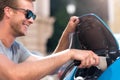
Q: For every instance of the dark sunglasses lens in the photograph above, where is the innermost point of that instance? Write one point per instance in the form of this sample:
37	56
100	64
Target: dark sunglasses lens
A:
30	14
34	17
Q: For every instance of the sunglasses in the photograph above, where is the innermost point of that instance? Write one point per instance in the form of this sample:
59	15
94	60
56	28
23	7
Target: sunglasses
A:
28	13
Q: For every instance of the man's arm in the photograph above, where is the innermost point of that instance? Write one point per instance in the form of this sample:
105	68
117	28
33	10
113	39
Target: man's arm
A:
32	69
64	40
35	69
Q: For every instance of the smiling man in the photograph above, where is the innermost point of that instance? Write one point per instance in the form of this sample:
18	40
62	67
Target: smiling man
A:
16	62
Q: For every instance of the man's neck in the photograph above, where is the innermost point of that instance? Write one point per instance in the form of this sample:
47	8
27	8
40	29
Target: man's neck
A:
6	38
7	42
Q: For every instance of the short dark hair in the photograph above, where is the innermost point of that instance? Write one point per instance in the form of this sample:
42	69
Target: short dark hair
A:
4	3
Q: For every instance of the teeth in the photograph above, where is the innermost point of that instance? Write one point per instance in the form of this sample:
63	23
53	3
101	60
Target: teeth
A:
27	25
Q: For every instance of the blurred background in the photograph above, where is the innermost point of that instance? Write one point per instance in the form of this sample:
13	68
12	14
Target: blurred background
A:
53	15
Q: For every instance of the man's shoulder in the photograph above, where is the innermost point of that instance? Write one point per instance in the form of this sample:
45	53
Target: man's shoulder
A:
17	44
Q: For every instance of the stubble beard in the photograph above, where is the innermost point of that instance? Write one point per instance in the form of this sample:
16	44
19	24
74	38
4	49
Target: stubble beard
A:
16	30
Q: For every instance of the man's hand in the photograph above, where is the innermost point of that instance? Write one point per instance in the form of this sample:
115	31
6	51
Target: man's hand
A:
71	26
87	58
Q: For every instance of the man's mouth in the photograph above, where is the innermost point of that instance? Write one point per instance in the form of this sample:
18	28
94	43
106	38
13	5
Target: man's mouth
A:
26	26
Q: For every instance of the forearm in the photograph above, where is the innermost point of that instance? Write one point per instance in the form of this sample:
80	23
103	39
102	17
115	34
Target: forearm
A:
38	69
63	43
64	40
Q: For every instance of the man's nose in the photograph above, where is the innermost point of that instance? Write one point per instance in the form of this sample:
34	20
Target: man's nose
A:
31	20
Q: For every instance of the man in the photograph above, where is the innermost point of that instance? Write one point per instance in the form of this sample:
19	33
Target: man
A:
16	62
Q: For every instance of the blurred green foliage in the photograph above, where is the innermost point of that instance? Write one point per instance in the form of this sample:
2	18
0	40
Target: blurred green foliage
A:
58	10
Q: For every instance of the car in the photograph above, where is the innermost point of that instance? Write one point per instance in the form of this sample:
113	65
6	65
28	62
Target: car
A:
92	33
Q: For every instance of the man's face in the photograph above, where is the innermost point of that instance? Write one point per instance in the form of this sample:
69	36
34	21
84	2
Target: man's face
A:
19	23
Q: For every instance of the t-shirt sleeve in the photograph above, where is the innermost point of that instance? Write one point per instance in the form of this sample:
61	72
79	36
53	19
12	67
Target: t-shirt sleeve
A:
24	53
17	52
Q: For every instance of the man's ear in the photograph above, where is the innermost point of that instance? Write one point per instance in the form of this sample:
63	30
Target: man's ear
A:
8	12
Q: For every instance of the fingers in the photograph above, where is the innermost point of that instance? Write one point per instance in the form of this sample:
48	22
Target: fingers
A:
88	62
74	19
73	22
89	59
97	59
